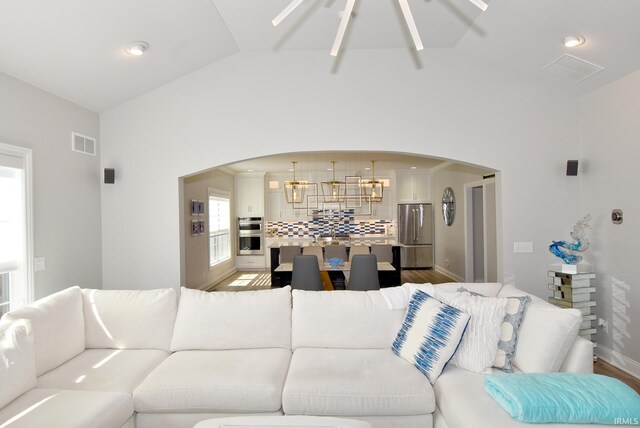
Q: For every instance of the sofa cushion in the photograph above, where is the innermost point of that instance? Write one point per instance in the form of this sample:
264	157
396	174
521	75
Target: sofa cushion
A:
479	344
58	327
55	408
546	334
343	319
17	360
430	334
464	403
117	370
235	381
129	319
219	320
354	382
516	307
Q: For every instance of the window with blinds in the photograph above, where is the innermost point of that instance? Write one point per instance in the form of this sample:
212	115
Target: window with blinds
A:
219	227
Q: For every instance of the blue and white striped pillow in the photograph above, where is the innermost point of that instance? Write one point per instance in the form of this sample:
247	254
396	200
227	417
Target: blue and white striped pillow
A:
430	334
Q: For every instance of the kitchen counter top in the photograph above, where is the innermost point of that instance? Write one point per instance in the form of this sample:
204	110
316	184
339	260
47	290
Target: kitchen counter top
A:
310	243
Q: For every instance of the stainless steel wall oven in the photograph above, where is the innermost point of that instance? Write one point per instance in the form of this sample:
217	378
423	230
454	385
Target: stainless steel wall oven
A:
250	236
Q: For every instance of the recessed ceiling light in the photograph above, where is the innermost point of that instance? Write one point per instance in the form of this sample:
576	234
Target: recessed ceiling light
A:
368	168
136	48
249	170
413	167
329	169
573	40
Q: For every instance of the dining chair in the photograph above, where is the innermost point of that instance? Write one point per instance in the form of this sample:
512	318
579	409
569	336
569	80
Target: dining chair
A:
364	273
358	249
306	274
335	252
288	252
383	252
314	251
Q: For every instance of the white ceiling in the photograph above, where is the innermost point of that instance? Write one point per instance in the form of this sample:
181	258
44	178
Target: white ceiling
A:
74	48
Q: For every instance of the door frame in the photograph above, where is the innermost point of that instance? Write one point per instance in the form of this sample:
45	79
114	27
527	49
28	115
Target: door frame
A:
468	227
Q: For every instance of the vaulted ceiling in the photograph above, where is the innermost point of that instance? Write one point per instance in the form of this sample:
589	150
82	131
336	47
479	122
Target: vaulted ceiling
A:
75	48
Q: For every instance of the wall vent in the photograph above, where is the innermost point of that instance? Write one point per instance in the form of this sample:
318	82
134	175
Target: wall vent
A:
83	144
573	68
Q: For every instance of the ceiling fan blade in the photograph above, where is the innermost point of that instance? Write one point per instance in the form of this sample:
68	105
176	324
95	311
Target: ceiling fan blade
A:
343	26
287	10
482	5
411	24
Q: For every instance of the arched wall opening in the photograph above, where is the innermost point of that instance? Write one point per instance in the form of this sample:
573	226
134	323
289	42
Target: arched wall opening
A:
407	178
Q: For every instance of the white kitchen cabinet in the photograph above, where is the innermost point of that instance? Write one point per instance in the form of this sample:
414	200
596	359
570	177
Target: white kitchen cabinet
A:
250	262
413	187
249	195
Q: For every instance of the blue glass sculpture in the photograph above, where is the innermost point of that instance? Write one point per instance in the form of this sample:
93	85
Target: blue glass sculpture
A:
567	251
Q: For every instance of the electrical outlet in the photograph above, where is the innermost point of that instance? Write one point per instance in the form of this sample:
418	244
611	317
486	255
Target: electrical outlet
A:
39	264
523	247
604	324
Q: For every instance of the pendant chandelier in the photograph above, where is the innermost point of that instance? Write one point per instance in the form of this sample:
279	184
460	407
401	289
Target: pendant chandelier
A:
295	190
373	189
333	190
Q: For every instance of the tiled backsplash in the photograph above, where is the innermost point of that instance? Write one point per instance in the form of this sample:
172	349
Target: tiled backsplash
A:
342	222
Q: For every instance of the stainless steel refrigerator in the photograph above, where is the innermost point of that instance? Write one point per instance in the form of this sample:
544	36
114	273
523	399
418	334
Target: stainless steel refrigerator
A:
415	234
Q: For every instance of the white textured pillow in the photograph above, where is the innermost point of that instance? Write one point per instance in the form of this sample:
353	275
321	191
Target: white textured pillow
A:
233	320
129	319
544	338
430	334
17	360
57	323
478	347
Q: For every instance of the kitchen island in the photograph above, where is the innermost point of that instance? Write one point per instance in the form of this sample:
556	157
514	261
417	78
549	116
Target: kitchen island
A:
387	278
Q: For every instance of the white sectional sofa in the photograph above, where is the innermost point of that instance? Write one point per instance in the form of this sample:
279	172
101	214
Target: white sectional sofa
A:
140	359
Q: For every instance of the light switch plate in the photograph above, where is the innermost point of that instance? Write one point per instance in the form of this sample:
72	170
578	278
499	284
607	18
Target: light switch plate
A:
40	264
523	247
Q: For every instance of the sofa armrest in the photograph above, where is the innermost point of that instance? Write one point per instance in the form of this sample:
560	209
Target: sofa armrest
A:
580	357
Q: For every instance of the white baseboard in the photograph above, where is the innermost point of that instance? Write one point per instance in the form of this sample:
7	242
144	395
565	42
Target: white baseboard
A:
219	278
451	275
618	360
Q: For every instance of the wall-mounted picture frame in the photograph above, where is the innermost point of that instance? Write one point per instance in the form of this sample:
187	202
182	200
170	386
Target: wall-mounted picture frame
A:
201	227
195	228
201	207
195	207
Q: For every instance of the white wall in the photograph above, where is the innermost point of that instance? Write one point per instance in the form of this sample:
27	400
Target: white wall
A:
610	134
450	239
66	187
196	271
255	104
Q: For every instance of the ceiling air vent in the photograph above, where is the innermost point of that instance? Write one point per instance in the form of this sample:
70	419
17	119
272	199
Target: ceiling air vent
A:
83	144
573	68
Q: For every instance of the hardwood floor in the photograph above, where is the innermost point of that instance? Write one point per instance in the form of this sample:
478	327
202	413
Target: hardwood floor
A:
261	280
604	368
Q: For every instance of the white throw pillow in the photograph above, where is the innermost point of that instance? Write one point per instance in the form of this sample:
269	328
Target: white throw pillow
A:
57	323
430	334
129	319
17	360
544	338
479	344
233	320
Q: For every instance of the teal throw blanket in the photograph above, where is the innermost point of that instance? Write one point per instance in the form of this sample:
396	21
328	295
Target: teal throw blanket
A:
565	398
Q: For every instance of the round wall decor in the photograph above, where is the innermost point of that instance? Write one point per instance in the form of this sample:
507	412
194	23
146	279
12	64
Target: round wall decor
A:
448	206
